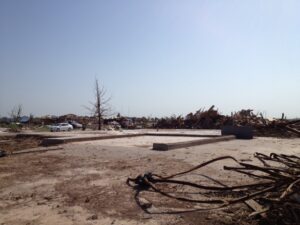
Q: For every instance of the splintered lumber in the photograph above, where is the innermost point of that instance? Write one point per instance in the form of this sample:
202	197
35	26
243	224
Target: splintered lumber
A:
258	209
293	130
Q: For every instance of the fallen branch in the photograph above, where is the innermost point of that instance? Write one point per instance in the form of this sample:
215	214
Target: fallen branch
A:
279	197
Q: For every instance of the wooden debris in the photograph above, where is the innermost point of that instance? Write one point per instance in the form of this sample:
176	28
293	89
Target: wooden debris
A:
213	119
259	209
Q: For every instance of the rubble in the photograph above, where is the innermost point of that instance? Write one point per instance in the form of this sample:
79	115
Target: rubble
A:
213	119
266	127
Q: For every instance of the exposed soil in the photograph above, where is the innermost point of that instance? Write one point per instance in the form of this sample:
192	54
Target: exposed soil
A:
85	183
15	143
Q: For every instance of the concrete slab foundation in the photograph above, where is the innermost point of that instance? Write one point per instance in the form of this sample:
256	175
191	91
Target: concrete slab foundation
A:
180	135
62	140
169	146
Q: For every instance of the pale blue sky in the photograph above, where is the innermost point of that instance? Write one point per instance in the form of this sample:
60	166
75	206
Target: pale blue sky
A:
155	58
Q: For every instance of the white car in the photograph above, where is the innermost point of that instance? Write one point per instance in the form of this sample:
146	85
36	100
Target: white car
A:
75	124
61	127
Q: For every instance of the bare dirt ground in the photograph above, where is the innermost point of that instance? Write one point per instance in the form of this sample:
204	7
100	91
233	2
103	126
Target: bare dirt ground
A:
12	143
85	183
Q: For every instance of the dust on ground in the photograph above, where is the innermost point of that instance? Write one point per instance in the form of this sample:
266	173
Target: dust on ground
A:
85	183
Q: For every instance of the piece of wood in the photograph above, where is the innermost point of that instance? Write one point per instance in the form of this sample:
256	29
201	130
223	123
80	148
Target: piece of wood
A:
293	130
259	209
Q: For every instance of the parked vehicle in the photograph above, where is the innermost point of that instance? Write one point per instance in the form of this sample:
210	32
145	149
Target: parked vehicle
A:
114	125
75	124
61	127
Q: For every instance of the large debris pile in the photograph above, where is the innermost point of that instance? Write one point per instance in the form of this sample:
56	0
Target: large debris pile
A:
273	193
266	127
213	119
205	119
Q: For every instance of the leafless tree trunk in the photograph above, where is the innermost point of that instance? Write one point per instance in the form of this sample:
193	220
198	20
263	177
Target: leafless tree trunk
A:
100	107
16	112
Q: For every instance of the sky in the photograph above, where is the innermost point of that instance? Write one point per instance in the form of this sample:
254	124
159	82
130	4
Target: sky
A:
154	58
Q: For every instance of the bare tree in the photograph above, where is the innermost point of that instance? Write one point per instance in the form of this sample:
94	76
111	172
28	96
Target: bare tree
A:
100	107
16	112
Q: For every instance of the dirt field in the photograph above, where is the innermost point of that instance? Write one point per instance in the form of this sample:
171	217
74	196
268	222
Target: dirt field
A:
85	182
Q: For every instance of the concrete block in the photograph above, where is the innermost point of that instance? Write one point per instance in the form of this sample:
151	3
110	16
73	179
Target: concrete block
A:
245	132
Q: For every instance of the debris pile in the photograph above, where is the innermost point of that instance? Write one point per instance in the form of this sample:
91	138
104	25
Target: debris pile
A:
213	119
205	119
265	127
275	191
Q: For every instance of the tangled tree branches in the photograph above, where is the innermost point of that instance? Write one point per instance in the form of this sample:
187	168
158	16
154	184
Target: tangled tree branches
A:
276	188
213	119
